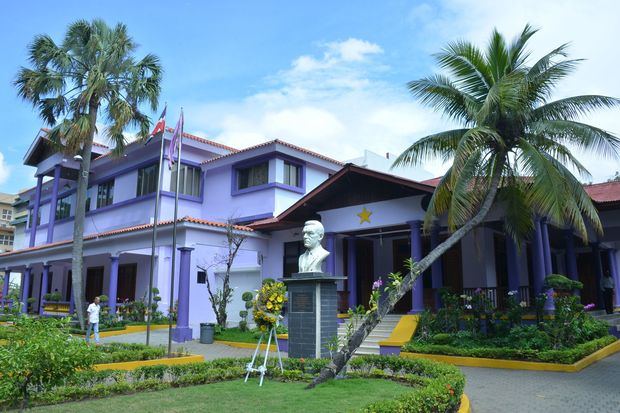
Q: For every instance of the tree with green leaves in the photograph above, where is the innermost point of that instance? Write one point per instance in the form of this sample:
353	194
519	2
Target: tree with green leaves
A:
513	151
92	73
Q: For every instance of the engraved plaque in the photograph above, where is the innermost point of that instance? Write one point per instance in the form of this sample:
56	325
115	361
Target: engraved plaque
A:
302	302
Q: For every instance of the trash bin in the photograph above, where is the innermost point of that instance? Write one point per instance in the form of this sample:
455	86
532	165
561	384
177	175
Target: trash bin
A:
206	333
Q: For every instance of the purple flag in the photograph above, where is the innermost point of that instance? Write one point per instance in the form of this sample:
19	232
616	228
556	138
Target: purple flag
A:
177	134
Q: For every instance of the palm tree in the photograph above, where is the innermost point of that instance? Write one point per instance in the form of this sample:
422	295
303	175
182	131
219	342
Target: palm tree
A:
92	72
514	145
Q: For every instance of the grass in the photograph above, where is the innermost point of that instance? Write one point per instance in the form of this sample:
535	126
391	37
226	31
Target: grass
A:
234	334
236	396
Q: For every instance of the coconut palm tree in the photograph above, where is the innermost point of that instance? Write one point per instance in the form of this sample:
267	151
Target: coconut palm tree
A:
92	73
514	147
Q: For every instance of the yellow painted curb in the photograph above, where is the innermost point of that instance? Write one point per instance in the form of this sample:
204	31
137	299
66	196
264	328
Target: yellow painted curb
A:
127	330
402	333
520	365
465	406
239	344
132	365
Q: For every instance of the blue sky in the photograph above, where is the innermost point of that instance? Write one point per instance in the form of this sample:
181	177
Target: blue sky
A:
326	75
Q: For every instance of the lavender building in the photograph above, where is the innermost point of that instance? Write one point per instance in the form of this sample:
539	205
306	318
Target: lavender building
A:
372	222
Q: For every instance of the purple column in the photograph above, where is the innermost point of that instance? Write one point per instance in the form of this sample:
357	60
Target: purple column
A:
35	211
598	272
44	276
330	243
26	287
113	286
538	258
546	247
512	260
571	257
417	292
5	286
53	201
613	266
183	332
352	271
71	303
436	267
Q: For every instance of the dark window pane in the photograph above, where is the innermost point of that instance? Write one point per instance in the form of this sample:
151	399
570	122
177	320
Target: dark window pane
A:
147	180
253	175
202	277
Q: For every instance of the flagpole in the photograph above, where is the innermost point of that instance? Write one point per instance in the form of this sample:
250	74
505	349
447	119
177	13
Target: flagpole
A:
154	239
174	236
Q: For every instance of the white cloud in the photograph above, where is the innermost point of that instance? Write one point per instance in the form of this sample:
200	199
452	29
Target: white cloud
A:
335	104
5	170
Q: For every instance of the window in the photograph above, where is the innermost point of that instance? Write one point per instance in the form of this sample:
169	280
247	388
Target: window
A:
189	182
7	214
253	175
63	208
292	251
105	193
147	180
292	174
87	204
202	277
31	218
6	239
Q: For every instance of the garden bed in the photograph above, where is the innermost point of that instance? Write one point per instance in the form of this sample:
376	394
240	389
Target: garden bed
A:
404	385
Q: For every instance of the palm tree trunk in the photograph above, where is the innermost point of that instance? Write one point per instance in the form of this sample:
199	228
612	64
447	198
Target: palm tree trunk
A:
78	223
370	322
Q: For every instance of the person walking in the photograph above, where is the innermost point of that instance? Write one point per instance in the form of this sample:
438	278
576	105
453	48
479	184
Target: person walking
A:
607	286
92	320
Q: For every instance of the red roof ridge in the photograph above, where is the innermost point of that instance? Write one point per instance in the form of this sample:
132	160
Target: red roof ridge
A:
204	140
109	233
281	142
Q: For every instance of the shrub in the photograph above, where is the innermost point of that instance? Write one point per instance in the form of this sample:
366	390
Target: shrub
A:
40	354
562	283
442	338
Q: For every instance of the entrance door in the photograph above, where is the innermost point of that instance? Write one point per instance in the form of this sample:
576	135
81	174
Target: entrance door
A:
585	269
365	270
452	266
401	251
94	283
126	282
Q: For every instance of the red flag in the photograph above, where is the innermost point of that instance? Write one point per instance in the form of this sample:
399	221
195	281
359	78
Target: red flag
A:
159	127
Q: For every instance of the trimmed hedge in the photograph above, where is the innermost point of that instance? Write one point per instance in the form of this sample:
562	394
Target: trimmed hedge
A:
564	356
436	387
121	352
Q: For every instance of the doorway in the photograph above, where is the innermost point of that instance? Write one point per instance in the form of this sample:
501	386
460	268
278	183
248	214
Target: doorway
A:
585	269
401	251
126	282
94	283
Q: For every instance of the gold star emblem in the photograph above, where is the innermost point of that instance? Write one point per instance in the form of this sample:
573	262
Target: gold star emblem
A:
364	215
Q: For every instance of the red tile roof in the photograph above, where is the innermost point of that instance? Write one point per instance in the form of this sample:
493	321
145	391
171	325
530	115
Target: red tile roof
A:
432	181
207	141
130	229
283	143
604	192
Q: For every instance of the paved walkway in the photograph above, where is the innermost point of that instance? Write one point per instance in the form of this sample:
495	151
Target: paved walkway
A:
160	338
594	389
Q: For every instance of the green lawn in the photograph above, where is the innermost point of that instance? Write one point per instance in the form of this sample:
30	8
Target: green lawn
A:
234	334
236	396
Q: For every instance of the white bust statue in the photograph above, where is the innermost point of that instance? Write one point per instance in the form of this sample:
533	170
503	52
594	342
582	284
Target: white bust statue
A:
312	259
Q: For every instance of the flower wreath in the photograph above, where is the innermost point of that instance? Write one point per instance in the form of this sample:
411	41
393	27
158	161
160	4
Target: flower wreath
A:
268	305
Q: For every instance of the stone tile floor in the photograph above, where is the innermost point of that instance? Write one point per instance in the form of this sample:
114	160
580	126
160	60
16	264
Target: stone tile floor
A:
594	389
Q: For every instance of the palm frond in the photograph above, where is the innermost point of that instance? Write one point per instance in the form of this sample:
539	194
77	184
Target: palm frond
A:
467	64
440	145
573	107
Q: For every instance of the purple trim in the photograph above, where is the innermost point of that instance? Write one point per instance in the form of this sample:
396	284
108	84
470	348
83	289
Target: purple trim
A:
53	206
283	344
113	284
512	260
266	158
352	270
35	212
299	190
301	164
182	196
613	266
182	332
539	260
598	272
389	350
187	162
44	277
417	292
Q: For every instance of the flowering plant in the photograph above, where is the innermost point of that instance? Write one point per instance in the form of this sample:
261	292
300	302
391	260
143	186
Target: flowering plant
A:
373	303
268	305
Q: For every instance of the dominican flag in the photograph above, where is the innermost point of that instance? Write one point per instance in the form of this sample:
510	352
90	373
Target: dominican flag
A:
176	135
160	126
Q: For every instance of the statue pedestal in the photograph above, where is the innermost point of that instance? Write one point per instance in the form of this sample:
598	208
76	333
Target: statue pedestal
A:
312	313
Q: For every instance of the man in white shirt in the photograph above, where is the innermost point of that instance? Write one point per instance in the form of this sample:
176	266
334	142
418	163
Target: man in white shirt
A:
92	321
